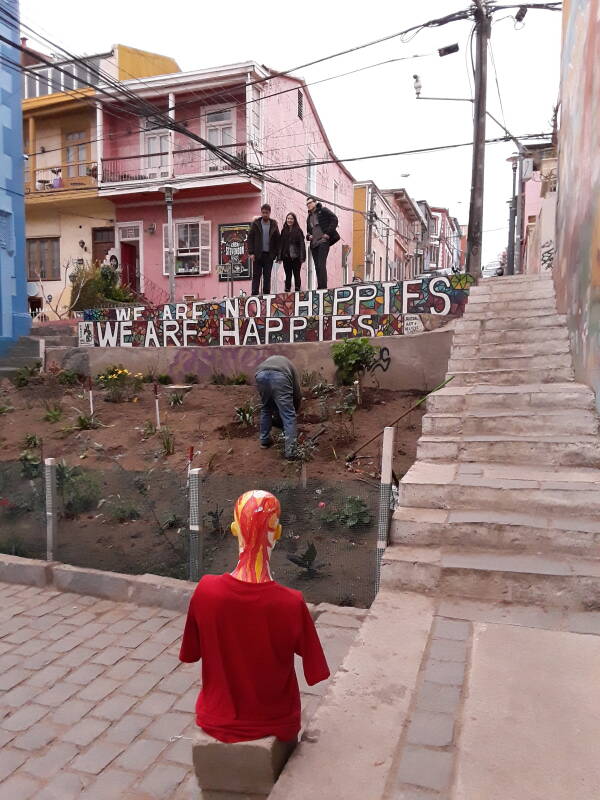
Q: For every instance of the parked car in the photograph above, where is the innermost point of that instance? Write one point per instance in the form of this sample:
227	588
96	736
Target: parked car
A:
493	270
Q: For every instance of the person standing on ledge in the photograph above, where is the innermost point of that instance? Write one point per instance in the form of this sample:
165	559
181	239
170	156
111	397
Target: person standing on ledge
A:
263	249
321	230
292	251
280	394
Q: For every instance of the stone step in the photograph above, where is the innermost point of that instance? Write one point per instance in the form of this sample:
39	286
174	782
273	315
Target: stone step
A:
506	315
515	280
509	306
512	292
547	490
513	377
565	581
60	341
556	450
517	362
490	528
513	423
507	323
559	346
456	398
520	336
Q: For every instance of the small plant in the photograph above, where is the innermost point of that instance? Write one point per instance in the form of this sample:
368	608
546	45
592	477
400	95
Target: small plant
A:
148	377
80	495
237	379
218	379
53	413
308	562
176	399
215	519
149	429
86	422
5	410
352	357
121	511
322	389
120	384
31	465
172	522
66	474
15	508
353	513
32	441
68	378
245	414
190	377
164	380
167	441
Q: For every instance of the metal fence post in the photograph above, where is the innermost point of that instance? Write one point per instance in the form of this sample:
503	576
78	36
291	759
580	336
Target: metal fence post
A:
385	497
51	509
195	527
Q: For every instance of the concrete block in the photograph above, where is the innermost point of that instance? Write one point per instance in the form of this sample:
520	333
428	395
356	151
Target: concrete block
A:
251	767
110	585
155	590
23	570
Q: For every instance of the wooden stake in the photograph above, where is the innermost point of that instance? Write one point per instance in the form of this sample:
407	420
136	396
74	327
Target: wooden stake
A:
156	405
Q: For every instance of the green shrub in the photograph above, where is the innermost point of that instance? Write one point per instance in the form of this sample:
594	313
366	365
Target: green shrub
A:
353	513
53	413
80	494
237	379
121	511
86	422
31	465
190	377
352	357
119	383
68	378
245	414
164	380
167	441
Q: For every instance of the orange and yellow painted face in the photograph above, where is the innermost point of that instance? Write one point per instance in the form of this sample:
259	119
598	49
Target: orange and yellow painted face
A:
256	527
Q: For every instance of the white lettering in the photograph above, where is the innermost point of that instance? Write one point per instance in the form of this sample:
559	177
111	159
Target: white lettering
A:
256	302
320	293
407	294
303	307
181	311
251	331
387	289
230	332
189	329
107	335
197	310
151	334
340	295
364	293
447	304
366	326
123	314
167	312
267	300
170	331
125	331
334	326
297	324
272	325
232	306
138	312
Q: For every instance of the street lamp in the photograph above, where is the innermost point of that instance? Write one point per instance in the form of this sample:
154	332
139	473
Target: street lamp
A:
510	250
169	191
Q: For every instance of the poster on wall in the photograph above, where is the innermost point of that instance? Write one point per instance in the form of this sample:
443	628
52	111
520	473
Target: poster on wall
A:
234	261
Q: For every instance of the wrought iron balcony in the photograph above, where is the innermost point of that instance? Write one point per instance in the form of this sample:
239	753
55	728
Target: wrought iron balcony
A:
82	174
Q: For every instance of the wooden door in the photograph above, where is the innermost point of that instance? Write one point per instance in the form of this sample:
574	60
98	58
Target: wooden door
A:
103	240
129	265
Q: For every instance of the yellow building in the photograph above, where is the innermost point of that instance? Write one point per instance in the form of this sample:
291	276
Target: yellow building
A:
373	234
67	223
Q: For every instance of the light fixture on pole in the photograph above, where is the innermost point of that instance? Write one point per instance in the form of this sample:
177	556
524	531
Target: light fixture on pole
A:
169	191
418	85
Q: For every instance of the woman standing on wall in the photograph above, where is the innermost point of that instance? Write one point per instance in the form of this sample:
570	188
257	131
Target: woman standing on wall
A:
292	251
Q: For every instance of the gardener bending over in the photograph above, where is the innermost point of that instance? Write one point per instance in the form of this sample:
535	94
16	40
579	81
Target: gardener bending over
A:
280	395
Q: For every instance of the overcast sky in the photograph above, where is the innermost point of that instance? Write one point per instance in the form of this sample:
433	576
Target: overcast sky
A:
372	112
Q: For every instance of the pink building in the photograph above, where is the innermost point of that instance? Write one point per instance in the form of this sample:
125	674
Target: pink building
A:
266	125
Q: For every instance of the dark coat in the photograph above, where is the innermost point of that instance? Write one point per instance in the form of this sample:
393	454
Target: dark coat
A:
328	223
292	237
255	239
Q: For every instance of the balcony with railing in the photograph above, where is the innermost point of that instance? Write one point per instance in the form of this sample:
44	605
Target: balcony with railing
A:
189	162
80	175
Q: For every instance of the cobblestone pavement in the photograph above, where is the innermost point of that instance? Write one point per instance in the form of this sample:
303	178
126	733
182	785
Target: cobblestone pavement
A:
92	696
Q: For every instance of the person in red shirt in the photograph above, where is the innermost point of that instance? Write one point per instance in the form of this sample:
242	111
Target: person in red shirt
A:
246	628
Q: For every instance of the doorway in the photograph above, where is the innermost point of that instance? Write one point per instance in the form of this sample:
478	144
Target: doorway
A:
103	240
130	265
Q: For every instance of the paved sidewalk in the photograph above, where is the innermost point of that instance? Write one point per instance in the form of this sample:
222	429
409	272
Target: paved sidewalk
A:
92	693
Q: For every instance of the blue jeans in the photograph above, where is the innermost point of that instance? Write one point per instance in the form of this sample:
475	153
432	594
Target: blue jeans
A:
277	394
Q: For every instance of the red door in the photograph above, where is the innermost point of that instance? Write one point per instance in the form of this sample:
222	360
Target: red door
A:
129	265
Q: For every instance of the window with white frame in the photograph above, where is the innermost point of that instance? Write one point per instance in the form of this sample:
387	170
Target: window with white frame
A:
191	247
311	173
255	111
220	131
156	149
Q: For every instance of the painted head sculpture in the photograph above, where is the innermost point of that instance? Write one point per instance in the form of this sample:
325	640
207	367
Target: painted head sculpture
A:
256	527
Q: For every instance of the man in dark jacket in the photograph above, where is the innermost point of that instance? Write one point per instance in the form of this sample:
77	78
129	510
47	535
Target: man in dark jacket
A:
279	388
321	229
263	248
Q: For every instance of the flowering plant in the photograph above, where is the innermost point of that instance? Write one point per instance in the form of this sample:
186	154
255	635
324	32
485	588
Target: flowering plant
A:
120	384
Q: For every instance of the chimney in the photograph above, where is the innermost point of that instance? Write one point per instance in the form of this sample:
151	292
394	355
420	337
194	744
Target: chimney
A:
23	58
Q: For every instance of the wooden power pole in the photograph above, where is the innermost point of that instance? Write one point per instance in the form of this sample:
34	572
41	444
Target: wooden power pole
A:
482	33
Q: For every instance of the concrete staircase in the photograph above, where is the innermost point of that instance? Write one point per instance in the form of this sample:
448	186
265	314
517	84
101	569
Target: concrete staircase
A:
26	351
503	501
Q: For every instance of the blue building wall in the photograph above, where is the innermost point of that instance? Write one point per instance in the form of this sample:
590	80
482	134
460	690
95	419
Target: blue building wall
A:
15	320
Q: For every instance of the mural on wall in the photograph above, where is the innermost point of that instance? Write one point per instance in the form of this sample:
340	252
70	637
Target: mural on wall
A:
377	309
576	267
234	259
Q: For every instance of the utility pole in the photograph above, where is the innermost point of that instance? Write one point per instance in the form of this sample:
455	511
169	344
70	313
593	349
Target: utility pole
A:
482	33
510	250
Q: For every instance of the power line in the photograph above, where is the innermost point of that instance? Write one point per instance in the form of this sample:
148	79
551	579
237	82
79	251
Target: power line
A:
493	60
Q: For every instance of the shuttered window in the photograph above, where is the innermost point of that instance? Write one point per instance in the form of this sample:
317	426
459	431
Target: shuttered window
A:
43	262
